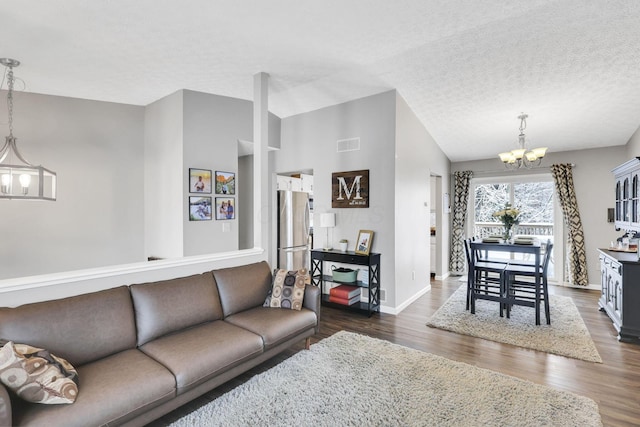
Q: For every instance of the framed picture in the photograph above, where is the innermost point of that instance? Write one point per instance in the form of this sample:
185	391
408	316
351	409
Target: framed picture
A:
350	189
225	183
199	208
363	244
225	208
199	181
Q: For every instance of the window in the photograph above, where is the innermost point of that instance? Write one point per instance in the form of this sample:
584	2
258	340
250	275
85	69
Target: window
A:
533	196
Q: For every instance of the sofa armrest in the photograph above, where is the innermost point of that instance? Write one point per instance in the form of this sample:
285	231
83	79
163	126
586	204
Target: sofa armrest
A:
5	407
312	302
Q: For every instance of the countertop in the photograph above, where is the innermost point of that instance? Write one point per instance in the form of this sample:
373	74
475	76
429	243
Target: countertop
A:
623	257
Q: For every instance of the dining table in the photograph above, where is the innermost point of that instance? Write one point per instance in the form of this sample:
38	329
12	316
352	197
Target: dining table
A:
532	247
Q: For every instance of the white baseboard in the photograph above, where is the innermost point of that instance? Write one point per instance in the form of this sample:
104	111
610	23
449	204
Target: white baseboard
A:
444	276
396	310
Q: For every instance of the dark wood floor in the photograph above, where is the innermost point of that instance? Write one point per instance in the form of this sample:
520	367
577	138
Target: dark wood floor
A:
614	384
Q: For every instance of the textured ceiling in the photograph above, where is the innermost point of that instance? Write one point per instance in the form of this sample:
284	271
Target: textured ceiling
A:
467	68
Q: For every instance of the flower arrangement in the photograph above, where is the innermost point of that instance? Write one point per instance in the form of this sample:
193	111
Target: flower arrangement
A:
509	217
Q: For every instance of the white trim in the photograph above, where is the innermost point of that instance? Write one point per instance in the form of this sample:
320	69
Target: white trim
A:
396	310
444	276
559	235
24	290
590	286
52	279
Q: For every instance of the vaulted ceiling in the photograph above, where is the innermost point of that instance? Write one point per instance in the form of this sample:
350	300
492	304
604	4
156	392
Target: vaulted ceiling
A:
467	68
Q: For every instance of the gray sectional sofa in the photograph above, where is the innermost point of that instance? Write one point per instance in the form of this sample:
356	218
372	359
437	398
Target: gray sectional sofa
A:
143	350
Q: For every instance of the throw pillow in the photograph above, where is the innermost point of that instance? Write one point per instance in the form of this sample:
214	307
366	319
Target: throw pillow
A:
36	375
288	289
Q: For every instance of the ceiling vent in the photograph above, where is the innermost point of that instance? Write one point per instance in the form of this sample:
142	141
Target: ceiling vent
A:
351	144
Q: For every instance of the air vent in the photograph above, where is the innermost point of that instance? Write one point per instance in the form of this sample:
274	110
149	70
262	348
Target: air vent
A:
351	144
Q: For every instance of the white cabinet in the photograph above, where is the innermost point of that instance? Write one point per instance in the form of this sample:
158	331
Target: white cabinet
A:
627	207
307	183
288	183
304	183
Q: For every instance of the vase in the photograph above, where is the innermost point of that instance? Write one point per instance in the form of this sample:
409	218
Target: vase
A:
508	233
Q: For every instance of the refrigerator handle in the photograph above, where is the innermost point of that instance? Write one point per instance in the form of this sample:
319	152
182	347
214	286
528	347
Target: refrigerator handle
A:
307	224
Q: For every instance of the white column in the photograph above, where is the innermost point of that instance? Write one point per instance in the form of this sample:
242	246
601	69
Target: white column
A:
260	161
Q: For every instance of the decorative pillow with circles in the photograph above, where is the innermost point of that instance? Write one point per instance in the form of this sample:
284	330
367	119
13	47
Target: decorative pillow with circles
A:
36	375
288	289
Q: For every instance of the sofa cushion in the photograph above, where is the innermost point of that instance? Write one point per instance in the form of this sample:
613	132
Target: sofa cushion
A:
288	289
36	375
198	354
79	329
274	325
243	287
112	391
172	305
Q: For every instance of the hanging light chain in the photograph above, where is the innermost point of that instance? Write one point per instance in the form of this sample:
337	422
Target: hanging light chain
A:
10	99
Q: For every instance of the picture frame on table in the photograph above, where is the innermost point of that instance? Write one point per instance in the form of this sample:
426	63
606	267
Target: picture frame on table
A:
225	183
364	242
199	208
225	208
199	181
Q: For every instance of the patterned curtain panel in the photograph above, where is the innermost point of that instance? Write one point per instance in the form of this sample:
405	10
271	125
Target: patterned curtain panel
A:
460	200
577	255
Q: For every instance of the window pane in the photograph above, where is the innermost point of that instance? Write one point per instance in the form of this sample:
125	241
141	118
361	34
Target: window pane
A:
535	201
488	199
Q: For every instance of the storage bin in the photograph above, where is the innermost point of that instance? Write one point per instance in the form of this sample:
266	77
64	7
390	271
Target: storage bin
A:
345	275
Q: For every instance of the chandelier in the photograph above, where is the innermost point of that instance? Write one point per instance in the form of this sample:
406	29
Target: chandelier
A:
522	157
19	179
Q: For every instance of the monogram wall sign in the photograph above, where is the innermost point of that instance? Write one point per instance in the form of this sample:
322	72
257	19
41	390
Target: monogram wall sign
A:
350	189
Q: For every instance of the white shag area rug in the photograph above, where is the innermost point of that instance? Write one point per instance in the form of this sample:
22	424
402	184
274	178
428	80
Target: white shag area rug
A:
354	380
566	336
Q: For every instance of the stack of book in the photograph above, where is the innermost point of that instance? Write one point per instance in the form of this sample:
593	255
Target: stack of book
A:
344	294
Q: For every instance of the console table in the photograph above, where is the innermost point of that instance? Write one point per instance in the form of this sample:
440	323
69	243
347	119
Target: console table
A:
372	261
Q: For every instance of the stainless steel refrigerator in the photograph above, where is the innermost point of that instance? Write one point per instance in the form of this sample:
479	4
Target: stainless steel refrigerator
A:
293	230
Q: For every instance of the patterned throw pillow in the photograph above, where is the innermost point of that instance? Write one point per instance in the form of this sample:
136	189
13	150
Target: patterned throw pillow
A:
36	375
288	289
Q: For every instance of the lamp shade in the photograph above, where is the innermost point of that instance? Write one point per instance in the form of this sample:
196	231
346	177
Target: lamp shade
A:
327	220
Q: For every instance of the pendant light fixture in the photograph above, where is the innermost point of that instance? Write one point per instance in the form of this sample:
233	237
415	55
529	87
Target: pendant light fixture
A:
522	157
19	179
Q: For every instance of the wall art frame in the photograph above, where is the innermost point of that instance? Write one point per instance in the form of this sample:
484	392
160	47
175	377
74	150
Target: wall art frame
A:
199	208
364	242
200	181
225	183
225	208
350	189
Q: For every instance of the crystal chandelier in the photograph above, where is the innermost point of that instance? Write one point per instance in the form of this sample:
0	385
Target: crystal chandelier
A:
19	179
522	157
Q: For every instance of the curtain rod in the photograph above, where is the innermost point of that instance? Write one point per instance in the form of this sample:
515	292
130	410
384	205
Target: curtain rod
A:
517	171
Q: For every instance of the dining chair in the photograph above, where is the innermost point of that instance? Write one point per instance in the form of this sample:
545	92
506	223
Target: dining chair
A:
521	290
485	280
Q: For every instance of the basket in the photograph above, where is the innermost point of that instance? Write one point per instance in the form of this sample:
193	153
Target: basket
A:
344	275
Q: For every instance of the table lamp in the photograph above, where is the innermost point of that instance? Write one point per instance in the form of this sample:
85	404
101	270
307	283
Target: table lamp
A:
327	221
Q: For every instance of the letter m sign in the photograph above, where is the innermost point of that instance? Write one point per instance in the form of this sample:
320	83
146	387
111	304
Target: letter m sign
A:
350	189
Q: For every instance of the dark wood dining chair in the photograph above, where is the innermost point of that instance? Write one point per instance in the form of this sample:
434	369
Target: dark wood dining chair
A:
521	290
485	280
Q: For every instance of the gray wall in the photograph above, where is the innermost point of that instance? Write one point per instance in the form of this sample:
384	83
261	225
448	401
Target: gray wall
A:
245	201
212	127
400	155
417	157
594	187
163	183
96	148
309	143
633	146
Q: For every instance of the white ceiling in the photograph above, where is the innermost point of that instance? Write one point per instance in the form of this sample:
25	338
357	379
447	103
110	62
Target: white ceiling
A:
467	68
